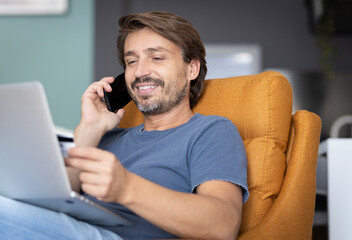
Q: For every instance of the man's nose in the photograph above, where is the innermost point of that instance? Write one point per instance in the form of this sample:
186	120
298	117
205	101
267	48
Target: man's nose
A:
143	69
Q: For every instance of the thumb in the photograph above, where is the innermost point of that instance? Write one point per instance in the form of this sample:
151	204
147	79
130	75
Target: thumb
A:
119	114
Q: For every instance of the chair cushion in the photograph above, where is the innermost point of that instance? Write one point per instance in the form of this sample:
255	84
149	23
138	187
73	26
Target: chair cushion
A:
261	108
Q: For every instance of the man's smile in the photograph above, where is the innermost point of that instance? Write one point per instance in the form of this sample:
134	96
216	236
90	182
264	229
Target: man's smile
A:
147	85
146	88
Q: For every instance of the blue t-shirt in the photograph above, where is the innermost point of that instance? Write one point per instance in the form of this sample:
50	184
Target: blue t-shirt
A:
205	148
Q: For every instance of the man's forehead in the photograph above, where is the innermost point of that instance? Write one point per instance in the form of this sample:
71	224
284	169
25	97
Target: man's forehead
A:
148	41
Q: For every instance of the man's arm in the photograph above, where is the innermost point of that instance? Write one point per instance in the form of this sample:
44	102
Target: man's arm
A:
213	213
96	120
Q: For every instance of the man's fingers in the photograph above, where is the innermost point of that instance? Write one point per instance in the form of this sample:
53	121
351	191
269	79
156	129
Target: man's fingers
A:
90	159
107	87
95	190
84	164
98	88
89	177
89	153
104	83
107	79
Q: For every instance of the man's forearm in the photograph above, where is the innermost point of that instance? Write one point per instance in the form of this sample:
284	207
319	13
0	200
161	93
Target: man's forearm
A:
182	214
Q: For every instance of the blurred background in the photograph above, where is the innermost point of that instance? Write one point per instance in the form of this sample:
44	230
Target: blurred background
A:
309	41
68	44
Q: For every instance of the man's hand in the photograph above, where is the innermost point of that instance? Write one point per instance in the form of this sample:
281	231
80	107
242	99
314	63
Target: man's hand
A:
94	109
96	119
101	174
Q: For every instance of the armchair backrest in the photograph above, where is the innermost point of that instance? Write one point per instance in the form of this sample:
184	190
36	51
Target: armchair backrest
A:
261	108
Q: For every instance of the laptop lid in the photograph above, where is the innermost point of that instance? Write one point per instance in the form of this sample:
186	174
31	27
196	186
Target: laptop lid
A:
31	164
32	168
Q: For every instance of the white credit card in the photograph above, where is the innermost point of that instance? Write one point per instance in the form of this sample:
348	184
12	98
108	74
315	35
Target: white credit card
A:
65	146
66	142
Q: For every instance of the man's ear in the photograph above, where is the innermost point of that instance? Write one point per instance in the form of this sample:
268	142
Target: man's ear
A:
193	70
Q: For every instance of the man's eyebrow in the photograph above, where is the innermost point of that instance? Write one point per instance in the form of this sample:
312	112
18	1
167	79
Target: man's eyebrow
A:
156	49
148	50
130	53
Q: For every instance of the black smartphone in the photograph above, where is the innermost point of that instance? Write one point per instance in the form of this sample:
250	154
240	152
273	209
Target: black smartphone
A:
119	96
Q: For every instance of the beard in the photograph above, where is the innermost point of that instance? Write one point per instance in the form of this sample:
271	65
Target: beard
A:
149	106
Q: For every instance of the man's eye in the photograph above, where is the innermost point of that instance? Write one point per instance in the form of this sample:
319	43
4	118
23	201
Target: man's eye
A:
158	58
131	62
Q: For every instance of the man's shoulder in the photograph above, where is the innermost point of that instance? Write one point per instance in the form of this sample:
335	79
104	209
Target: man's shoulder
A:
212	119
211	125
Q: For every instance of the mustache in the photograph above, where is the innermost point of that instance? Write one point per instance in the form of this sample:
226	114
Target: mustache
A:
156	81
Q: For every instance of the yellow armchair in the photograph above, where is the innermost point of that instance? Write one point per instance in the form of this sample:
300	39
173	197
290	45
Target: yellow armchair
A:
281	149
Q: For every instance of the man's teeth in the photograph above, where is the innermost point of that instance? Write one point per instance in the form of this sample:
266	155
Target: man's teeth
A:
146	87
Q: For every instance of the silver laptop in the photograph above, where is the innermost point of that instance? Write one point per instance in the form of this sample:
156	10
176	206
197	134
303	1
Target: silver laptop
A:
32	168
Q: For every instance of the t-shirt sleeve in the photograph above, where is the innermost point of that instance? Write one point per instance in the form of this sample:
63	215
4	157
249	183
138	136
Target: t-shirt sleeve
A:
219	154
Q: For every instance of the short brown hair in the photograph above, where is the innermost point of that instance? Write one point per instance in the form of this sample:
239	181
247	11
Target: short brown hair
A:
177	30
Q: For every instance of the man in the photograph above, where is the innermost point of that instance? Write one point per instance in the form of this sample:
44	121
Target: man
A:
179	174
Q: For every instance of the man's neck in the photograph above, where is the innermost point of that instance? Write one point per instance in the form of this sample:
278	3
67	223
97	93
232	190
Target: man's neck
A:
174	118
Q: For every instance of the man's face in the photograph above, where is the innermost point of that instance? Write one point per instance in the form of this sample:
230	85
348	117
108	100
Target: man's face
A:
156	75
